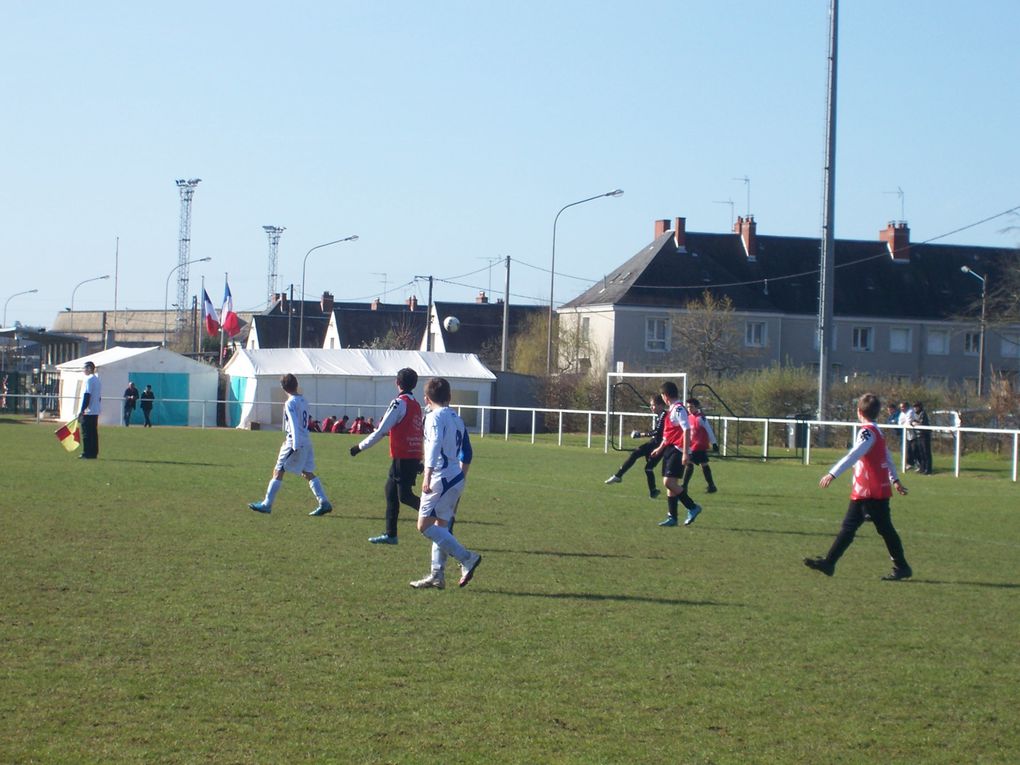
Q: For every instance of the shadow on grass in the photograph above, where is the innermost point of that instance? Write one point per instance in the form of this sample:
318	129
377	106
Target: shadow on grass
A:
779	531
993	585
597	597
561	554
168	462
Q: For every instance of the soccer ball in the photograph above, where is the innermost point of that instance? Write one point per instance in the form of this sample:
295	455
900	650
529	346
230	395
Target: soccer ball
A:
451	323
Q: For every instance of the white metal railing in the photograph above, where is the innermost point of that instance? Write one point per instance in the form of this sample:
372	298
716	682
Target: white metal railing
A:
33	404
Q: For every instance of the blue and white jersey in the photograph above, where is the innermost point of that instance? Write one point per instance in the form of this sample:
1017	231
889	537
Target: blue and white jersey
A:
295	422
446	443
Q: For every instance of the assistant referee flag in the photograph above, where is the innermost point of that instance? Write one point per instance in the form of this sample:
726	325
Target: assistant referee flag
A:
69	436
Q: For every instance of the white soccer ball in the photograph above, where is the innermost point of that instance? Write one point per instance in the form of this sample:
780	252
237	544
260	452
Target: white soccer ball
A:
451	323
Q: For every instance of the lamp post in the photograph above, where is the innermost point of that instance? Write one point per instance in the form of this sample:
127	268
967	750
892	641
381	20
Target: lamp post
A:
75	290
26	292
166	290
552	269
981	341
301	321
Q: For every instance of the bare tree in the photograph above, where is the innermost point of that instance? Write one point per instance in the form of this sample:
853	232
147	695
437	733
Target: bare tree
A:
706	338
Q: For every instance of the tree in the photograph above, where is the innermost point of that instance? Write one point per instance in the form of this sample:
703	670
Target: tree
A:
401	336
705	337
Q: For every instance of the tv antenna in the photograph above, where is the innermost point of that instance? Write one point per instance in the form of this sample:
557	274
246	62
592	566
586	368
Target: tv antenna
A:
747	185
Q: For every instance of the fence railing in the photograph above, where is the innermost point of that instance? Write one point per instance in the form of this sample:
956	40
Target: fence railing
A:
800	436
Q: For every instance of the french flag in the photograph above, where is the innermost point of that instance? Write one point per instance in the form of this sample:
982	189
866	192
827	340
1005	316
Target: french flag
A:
230	323
212	321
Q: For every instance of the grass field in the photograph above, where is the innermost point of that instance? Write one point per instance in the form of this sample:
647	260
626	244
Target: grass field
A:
147	616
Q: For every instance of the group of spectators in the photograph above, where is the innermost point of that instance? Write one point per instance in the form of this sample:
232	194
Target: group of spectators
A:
360	426
918	441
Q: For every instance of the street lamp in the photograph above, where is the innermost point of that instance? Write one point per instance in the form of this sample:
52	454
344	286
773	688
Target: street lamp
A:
981	342
26	292
75	290
166	290
552	269
301	322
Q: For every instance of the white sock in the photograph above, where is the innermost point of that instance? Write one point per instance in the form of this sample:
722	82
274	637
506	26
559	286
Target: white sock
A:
438	561
447	542
316	486
271	491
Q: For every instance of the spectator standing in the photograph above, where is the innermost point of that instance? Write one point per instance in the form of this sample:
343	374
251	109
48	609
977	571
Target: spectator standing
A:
922	443
906	419
147	398
130	400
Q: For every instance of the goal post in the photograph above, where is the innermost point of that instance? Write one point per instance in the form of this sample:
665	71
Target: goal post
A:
633	383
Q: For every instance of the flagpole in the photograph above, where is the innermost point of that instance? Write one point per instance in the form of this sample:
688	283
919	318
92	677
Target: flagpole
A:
219	360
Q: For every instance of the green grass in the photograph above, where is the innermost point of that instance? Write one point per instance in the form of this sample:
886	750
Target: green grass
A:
147	616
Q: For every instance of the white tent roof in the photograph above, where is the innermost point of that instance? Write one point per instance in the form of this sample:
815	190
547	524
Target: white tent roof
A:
355	362
109	356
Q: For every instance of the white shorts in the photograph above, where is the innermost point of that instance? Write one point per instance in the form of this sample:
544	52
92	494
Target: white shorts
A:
442	502
300	460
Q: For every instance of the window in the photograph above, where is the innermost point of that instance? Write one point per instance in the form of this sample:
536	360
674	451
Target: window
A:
862	338
1010	345
972	343
900	340
656	334
938	342
585	329
755	334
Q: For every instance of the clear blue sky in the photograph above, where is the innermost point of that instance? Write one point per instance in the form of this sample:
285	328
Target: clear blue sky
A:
446	133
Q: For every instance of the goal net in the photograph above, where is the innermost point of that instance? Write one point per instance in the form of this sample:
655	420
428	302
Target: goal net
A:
627	408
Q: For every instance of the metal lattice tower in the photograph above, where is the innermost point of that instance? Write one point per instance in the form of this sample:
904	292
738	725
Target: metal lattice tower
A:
273	232
184	251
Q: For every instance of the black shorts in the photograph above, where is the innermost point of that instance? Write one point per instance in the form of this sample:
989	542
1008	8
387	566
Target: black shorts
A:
673	462
700	457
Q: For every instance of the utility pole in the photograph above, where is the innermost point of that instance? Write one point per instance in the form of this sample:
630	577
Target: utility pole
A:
187	189
505	351
428	320
826	286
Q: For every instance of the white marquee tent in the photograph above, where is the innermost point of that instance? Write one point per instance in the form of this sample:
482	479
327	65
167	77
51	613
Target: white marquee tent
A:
348	381
185	389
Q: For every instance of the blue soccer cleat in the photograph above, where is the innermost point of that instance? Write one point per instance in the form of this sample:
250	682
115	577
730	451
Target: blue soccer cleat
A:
383	539
670	521
323	508
693	513
258	507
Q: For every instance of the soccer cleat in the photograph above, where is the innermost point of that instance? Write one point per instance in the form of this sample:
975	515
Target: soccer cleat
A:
259	507
383	539
670	521
712	489
468	569
820	564
898	574
430	582
323	508
654	494
614	479
693	513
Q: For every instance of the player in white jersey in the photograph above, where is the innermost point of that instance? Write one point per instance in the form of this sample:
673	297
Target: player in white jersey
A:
296	455
447	453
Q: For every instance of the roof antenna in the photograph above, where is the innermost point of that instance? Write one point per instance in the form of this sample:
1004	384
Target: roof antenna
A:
901	195
730	203
747	184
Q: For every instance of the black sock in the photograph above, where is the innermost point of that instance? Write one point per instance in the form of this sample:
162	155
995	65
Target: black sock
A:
686	501
671	503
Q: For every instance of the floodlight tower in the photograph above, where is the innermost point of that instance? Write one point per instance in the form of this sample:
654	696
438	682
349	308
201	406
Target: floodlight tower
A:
187	188
273	232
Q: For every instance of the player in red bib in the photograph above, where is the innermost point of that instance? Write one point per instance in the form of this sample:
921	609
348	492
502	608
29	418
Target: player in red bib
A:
403	423
675	451
873	478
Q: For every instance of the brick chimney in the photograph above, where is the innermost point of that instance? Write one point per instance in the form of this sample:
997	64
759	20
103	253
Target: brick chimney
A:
897	238
326	303
412	303
376	303
281	299
481	298
680	234
748	231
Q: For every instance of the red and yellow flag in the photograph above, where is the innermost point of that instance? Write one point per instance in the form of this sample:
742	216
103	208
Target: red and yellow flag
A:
69	436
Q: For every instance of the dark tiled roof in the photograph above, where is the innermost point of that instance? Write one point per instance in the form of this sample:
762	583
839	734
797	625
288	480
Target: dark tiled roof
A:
273	331
784	276
360	325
